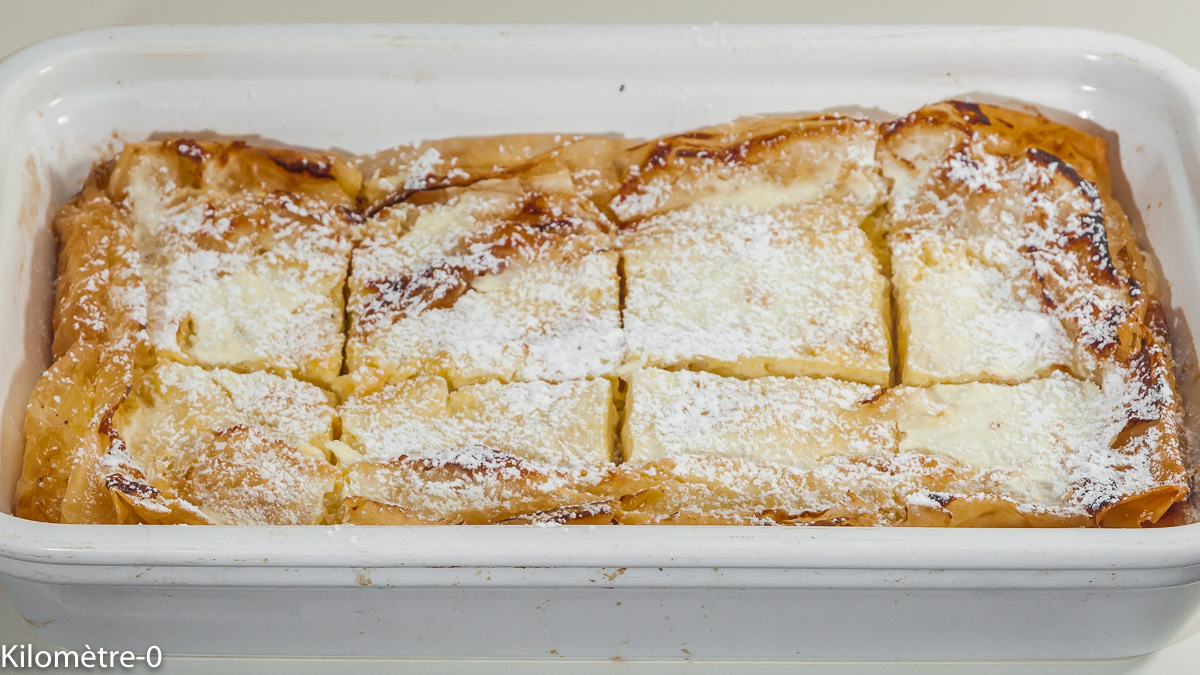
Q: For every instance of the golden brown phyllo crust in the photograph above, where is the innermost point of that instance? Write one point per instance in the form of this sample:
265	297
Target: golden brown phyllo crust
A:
1084	265
941	320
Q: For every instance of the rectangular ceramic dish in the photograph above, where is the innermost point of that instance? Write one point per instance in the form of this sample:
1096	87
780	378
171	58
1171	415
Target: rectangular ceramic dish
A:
579	591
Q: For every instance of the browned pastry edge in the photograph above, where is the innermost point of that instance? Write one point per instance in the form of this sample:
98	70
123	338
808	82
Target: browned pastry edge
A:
764	144
100	342
1105	247
590	160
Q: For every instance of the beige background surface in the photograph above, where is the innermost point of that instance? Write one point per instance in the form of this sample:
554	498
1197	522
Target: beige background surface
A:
1170	24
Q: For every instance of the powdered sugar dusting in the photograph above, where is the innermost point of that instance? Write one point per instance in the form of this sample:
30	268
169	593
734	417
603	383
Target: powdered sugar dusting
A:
992	242
173	406
775	420
424	166
249	281
876	489
564	424
1004	273
474	484
800	292
242	477
475	291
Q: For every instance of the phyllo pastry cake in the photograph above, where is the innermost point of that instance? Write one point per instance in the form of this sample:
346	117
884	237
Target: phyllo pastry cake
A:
748	251
704	449
510	280
242	251
473	486
700	448
1010	258
735	291
566	424
796	421
1037	386
1012	261
1050	451
943	320
417	452
215	446
222	256
99	343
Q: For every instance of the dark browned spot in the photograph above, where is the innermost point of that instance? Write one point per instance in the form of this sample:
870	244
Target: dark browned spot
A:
659	155
122	484
478	463
437	286
591	513
1147	368
294	162
893	126
1090	239
971	112
189	149
1054	163
1095	495
942	498
702	145
390	200
873	397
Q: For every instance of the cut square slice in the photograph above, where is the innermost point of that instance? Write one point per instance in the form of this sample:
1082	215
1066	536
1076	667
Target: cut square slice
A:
758	162
969	309
1035	441
473	486
172	404
789	421
505	280
568	424
748	293
487	453
215	446
1055	444
1011	258
243	252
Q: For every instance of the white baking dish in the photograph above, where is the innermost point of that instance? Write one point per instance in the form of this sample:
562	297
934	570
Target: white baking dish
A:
597	592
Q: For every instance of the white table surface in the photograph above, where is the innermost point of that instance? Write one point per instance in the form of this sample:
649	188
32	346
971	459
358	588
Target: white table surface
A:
1170	24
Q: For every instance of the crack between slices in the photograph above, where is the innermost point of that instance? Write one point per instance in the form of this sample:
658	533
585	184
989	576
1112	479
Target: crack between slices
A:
620	392
159	359
344	366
